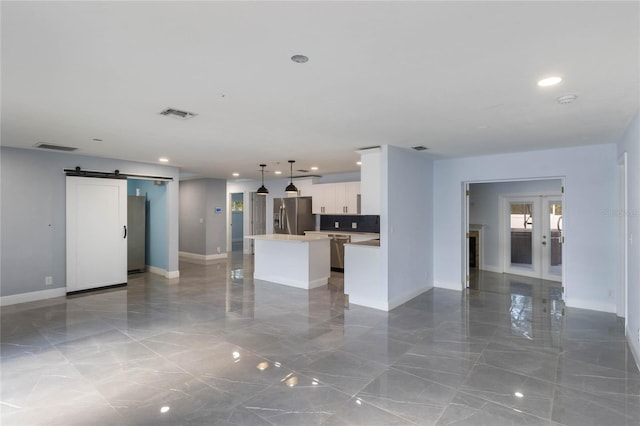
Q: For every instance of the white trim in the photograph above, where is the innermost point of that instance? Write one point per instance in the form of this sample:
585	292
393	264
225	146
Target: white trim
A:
163	272
406	297
305	285
632	345
33	296
369	303
172	274
201	257
491	268
448	286
591	305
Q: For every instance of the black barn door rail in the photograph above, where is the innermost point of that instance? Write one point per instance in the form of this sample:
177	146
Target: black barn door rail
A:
111	175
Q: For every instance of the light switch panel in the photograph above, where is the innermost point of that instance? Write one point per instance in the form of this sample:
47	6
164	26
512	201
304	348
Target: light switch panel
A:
337	225
354	225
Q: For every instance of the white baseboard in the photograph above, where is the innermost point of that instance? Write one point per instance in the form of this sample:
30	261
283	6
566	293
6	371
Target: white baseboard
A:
369	303
163	272
291	282
490	268
172	274
591	305
397	301
634	346
448	286
32	296
185	255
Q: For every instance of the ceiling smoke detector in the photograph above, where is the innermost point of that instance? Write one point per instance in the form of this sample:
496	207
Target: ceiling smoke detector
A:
299	59
419	148
54	147
566	99
184	115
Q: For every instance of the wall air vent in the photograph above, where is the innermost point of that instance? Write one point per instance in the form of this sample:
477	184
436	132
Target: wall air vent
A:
184	115
54	147
419	148
364	148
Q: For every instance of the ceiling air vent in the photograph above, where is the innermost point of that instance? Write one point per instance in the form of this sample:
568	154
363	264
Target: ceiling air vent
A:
184	115
419	148
302	171
54	147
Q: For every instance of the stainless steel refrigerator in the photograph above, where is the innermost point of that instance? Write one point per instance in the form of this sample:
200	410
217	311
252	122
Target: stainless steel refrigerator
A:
136	230
293	216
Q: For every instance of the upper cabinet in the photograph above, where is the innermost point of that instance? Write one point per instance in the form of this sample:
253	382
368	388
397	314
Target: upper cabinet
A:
336	198
370	180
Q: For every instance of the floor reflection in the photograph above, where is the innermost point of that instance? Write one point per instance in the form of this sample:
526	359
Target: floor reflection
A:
215	347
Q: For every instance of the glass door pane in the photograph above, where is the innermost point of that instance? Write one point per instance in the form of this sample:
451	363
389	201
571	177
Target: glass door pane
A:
552	240
521	220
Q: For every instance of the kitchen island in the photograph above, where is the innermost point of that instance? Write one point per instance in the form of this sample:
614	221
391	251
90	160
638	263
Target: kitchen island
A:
300	261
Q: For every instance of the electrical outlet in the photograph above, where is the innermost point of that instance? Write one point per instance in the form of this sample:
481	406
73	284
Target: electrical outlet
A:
337	225
354	225
218	250
48	280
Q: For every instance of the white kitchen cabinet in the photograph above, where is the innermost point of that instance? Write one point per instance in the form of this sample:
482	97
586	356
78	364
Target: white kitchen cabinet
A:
347	197
336	198
324	199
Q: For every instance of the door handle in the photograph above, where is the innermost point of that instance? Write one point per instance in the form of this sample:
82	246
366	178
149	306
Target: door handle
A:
125	231
544	243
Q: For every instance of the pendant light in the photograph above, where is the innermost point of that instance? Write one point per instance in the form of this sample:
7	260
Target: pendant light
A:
262	190
291	188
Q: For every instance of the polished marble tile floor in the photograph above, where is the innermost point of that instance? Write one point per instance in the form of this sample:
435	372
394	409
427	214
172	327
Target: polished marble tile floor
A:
215	348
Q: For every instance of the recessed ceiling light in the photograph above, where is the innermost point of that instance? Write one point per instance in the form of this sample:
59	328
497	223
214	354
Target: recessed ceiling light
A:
549	81
519	394
299	59
566	99
235	174
278	172
359	163
163	160
314	168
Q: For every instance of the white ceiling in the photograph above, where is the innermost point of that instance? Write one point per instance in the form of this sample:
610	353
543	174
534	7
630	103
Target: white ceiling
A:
459	78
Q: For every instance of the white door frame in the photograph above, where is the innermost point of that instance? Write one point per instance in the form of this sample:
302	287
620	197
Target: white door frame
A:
623	258
465	225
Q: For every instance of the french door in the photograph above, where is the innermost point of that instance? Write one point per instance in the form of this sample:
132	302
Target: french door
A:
96	232
533	236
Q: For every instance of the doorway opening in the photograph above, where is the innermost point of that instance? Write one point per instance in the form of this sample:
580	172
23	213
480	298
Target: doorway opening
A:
514	227
237	221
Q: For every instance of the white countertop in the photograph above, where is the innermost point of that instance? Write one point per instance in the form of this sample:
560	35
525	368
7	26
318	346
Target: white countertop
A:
337	232
286	237
368	243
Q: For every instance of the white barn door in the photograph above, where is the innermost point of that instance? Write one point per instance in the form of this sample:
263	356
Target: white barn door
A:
96	232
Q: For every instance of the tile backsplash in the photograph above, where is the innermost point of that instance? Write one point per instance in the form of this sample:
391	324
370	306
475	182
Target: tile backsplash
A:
364	223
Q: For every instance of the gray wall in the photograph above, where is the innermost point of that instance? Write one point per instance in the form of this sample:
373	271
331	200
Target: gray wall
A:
33	204
484	209
202	230
216	222
192	214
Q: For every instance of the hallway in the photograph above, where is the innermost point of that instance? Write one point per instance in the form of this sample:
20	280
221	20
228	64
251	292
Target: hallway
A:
213	348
